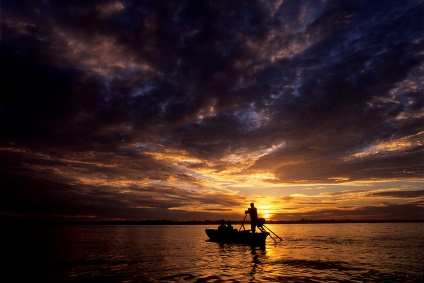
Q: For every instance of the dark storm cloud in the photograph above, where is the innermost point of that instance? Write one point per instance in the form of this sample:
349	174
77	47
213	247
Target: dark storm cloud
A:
201	51
309	91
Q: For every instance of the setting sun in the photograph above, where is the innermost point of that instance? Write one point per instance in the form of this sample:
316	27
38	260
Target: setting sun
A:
266	212
267	215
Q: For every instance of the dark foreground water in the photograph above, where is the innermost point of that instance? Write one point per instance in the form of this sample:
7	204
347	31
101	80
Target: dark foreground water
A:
309	253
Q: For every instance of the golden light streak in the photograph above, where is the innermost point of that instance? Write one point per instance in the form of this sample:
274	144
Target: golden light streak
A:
339	179
175	157
390	146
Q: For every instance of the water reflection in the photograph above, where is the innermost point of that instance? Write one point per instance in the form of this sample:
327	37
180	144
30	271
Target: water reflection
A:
256	262
309	253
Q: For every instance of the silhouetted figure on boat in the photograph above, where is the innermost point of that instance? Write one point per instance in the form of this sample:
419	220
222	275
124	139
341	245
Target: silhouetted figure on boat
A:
229	226
222	227
253	212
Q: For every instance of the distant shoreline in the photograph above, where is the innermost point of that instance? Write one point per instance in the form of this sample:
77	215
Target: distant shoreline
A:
217	222
18	220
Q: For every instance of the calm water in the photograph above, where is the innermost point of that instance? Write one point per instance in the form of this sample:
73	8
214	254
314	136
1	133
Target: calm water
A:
309	253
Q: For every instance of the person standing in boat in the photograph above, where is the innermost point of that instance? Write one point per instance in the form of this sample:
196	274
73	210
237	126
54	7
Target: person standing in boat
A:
253	212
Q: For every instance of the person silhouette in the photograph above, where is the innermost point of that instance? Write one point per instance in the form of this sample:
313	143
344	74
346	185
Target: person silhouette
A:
229	226
253	212
222	227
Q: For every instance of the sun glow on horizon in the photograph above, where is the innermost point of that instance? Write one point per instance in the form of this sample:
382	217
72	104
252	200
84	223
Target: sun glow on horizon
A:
266	211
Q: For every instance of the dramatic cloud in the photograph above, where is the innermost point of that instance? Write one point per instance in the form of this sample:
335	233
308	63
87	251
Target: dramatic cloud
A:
193	109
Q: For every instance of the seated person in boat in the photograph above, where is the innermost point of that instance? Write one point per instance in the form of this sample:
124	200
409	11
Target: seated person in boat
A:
222	227
229	226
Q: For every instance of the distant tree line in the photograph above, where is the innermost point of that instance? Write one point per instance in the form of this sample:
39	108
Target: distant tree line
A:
217	222
23	220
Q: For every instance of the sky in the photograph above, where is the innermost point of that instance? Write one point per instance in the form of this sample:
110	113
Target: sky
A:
191	110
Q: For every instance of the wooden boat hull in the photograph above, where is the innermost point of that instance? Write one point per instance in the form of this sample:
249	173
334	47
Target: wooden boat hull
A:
237	237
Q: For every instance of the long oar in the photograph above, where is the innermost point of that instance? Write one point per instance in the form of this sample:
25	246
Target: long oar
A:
272	232
272	238
242	223
263	227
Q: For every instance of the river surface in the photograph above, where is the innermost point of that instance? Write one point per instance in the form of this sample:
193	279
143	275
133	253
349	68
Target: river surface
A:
377	252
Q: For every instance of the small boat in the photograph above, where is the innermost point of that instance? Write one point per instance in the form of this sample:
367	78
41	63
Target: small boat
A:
237	237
